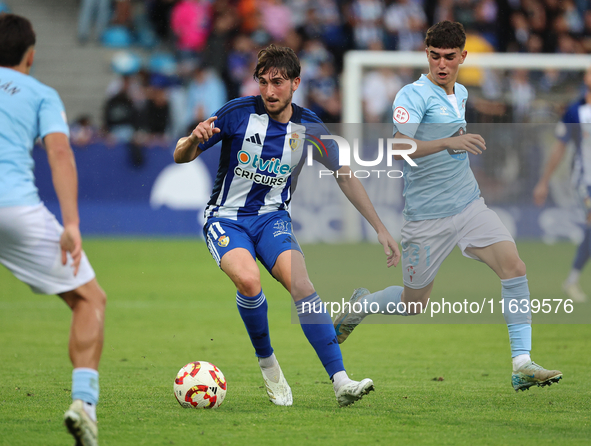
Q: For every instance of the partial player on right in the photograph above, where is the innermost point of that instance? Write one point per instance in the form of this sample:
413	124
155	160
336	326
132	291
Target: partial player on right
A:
570	129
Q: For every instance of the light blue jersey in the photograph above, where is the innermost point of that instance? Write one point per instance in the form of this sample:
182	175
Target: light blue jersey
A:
442	184
28	110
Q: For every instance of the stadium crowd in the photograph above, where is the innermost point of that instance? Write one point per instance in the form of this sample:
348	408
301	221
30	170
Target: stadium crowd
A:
197	54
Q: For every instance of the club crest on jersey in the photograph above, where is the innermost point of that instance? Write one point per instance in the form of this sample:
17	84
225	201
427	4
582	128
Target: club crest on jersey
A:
295	142
224	241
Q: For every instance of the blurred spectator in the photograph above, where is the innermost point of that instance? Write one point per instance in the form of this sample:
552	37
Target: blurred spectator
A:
405	24
93	12
191	21
122	121
521	95
159	12
249	12
521	32
155	115
379	89
82	131
366	19
323	95
475	43
205	95
240	61
123	13
586	37
121	114
218	44
275	18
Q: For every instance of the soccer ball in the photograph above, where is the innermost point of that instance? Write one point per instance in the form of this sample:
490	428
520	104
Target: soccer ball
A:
200	384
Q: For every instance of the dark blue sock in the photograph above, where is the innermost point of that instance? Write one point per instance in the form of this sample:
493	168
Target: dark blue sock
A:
253	311
584	251
318	328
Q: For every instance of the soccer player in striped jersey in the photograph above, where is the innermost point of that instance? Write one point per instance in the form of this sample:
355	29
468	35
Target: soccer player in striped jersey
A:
33	245
248	213
443	207
570	129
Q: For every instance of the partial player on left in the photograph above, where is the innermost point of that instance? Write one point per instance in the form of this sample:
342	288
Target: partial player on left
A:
33	245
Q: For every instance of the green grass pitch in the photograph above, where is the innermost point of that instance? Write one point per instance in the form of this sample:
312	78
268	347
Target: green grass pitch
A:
169	305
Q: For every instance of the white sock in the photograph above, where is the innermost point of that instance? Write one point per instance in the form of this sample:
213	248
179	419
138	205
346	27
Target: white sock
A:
573	277
270	367
90	410
340	378
519	361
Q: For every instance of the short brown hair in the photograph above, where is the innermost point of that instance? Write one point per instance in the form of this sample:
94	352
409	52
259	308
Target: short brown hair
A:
280	59
16	37
446	35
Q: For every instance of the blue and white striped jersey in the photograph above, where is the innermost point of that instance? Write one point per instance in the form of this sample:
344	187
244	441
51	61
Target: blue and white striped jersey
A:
576	127
260	158
442	184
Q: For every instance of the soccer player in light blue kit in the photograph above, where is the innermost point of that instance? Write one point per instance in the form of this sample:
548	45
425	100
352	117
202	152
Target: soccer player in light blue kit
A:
570	129
443	205
33	245
248	213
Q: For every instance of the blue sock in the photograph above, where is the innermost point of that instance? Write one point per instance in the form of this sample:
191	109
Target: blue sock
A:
318	328
253	311
518	321
584	251
387	301
85	385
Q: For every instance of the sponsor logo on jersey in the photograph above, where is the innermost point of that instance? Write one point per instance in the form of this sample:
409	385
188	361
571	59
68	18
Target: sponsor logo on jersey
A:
272	166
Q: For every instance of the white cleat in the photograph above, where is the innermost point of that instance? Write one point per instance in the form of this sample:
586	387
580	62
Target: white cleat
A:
353	391
80	425
277	388
574	292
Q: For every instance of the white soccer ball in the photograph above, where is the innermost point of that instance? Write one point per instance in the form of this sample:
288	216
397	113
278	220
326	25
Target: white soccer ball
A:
200	385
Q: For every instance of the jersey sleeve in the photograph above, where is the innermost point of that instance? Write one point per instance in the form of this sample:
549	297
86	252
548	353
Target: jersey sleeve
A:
408	110
52	115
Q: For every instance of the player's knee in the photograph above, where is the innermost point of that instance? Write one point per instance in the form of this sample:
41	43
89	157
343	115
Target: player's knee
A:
516	268
249	285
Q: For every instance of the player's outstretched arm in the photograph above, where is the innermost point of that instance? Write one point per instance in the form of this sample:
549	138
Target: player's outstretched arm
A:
470	142
356	194
187	148
541	189
65	181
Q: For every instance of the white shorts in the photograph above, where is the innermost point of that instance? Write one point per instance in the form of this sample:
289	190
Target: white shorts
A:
426	243
30	249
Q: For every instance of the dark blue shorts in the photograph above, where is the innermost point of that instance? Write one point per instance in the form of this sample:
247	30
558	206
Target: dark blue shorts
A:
264	236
